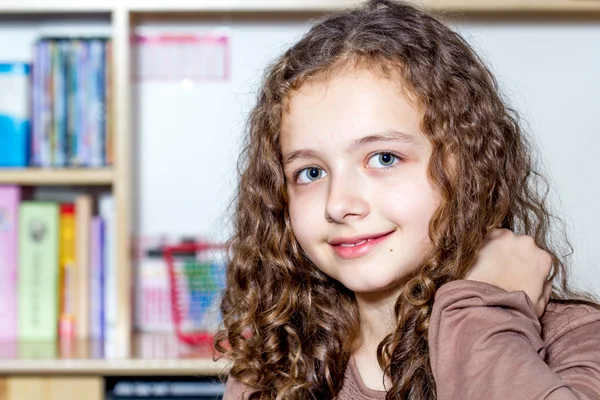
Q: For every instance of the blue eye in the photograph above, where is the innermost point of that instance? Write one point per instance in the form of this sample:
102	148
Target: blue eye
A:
382	160
310	174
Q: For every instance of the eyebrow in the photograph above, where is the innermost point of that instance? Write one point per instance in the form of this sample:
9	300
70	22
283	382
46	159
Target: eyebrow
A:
387	136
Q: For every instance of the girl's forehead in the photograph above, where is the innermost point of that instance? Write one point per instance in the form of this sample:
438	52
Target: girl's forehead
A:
348	105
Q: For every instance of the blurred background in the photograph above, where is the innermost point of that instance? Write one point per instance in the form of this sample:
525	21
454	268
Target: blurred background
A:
120	128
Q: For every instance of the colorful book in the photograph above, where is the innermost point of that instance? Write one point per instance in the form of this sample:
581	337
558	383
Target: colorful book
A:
67	235
9	231
38	271
14	114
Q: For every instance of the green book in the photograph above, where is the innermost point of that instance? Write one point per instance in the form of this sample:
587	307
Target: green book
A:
38	271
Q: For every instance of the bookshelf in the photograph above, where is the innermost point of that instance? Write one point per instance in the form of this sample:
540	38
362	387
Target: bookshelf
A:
152	354
48	177
129	359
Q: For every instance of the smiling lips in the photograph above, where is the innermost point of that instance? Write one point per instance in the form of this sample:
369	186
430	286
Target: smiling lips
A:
357	246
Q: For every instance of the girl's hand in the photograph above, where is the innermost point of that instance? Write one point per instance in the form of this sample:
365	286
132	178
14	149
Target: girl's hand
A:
514	263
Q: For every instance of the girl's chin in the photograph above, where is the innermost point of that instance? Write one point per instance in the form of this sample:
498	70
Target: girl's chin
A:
372	288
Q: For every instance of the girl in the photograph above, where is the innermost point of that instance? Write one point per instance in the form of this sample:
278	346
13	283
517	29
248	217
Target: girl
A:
391	239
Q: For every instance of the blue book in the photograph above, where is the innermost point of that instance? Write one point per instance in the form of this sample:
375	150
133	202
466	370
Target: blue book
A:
14	114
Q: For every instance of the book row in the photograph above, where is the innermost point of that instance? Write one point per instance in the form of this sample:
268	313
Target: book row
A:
57	267
56	110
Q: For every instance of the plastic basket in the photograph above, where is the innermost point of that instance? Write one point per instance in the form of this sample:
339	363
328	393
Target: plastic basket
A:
196	281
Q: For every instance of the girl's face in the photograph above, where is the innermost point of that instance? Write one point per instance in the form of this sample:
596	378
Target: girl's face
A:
355	164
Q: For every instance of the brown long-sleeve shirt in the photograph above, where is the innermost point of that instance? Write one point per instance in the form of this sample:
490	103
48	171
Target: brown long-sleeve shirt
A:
487	343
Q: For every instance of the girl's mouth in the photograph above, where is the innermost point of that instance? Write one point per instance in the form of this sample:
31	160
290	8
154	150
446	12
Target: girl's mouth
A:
354	248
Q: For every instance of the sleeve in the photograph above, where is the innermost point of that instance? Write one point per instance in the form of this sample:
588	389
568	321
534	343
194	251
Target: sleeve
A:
236	390
486	343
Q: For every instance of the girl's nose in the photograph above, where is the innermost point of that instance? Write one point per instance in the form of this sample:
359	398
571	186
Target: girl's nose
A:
347	200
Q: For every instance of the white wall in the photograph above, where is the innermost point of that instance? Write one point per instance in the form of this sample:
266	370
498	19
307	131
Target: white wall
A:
189	137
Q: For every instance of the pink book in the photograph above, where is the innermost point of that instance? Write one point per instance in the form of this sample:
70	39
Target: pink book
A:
10	197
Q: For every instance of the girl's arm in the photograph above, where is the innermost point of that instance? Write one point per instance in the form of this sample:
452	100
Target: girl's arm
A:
487	343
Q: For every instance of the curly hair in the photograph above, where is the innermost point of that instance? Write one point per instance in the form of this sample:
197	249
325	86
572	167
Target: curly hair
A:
289	329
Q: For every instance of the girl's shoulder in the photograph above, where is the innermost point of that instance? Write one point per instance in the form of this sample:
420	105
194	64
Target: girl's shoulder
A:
236	390
570	323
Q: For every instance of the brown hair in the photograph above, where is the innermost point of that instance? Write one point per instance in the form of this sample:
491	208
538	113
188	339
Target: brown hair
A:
289	329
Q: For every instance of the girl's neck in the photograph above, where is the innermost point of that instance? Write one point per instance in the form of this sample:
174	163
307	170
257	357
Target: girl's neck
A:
376	313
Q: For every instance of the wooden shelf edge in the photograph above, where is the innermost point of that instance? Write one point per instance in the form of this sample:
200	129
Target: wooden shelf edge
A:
201	6
515	6
105	367
58	6
48	177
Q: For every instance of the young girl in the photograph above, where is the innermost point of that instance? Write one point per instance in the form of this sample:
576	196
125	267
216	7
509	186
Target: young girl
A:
391	238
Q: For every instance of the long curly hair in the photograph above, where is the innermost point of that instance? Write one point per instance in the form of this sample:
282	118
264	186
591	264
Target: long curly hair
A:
289	329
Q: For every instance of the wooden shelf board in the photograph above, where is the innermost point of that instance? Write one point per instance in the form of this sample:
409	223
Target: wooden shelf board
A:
151	354
54	7
106	367
176	6
201	6
516	6
67	176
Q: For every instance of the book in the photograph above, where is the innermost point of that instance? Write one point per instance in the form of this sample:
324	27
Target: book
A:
83	215
9	230
96	282
106	206
14	114
67	235
38	271
69	105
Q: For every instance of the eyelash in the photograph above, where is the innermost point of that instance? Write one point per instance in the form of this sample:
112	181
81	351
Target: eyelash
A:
379	153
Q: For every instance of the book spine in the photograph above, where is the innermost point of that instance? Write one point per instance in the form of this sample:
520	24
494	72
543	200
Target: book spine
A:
96	280
83	104
80	102
67	271
83	211
95	105
71	104
102	104
54	102
9	230
38	271
107	212
46	137
14	114
36	100
109	105
61	100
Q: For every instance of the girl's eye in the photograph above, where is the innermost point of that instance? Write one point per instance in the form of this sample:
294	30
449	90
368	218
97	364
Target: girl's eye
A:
382	160
310	174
